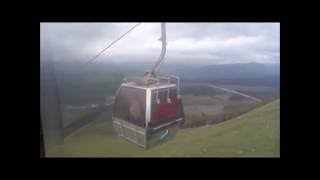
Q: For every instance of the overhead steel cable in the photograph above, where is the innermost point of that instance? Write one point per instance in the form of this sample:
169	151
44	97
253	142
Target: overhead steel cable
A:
116	40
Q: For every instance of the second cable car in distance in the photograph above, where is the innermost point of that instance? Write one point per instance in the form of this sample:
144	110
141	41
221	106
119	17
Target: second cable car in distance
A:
148	110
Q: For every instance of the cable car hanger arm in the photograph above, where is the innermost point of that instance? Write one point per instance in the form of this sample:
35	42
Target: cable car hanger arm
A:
163	50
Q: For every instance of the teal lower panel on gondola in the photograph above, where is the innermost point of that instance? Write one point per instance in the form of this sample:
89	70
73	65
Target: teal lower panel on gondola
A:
164	135
146	137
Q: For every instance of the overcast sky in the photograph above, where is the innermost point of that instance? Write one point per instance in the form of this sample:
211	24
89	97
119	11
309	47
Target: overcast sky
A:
208	43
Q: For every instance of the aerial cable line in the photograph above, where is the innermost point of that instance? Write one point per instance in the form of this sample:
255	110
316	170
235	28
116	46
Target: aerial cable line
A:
116	40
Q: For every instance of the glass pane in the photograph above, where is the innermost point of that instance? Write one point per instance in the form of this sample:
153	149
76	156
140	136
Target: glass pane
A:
130	105
165	111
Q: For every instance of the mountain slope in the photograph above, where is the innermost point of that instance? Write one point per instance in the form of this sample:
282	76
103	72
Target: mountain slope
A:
256	133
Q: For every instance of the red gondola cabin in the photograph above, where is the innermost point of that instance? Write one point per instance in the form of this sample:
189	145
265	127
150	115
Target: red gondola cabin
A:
147	113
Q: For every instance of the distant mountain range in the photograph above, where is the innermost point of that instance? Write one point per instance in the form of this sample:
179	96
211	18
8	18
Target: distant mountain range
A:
243	70
239	70
240	73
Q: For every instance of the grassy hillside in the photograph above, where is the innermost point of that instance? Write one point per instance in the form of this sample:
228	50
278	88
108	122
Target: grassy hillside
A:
253	134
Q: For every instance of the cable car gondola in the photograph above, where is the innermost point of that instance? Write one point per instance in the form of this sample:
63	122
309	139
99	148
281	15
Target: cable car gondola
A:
148	110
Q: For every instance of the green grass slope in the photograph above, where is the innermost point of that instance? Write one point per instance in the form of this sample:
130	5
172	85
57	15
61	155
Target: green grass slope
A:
254	134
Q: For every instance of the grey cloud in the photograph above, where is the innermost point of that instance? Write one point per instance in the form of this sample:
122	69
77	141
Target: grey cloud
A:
209	42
